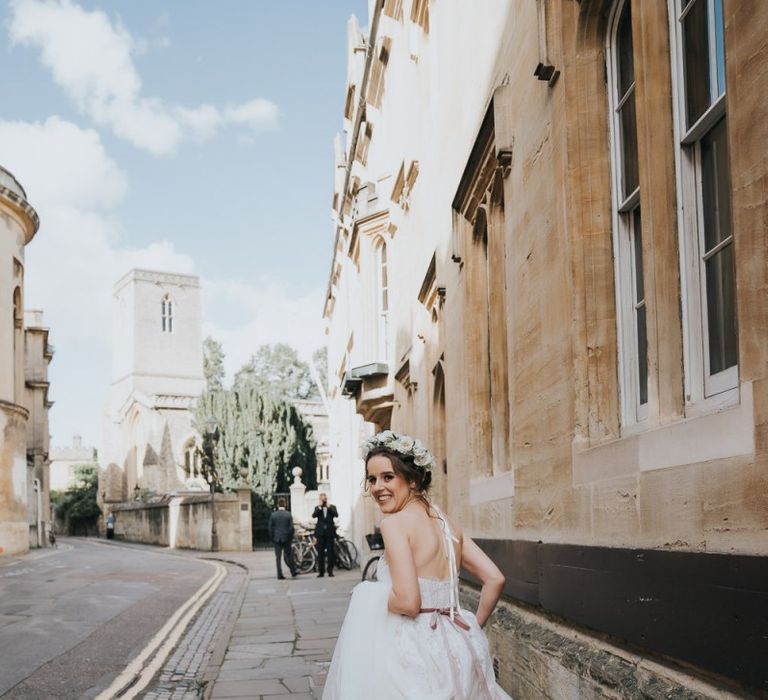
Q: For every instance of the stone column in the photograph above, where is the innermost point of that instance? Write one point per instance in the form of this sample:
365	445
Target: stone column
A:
298	503
246	531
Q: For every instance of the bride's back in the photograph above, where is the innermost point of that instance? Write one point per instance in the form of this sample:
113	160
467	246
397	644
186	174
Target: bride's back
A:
427	540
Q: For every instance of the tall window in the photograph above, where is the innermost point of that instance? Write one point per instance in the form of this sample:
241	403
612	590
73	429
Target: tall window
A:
167	314
630	290
706	230
382	298
191	459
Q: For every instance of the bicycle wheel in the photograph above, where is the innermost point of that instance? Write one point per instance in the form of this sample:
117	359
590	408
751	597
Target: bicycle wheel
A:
369	572
304	557
352	553
342	555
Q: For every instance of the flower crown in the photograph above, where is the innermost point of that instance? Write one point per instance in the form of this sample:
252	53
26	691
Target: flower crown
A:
402	444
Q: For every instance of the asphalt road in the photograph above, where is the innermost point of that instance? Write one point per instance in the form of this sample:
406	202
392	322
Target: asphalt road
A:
71	619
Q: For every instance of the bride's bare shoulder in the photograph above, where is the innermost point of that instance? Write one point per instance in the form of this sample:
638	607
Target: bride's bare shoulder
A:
453	524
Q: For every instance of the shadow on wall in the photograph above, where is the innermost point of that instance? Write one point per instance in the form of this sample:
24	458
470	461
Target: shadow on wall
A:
261	510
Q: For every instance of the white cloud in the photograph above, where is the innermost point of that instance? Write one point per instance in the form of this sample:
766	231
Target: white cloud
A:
257	114
91	59
61	165
273	313
77	256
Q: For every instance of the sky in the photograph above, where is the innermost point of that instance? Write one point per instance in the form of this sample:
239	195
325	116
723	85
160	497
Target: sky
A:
180	135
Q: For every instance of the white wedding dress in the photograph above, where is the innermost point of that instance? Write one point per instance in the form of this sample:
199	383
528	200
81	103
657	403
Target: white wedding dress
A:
441	654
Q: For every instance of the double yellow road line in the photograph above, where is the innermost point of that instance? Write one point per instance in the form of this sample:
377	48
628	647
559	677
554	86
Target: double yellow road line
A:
142	669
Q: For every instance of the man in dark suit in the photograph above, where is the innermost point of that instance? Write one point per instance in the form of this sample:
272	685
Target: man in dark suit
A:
325	534
281	534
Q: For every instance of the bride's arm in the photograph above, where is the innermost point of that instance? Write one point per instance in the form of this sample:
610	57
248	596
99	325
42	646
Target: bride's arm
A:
405	597
479	564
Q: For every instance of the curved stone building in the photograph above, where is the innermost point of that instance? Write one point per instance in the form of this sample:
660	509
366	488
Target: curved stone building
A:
18	224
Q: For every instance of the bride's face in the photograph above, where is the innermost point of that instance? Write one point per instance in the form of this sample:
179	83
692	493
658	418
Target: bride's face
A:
390	490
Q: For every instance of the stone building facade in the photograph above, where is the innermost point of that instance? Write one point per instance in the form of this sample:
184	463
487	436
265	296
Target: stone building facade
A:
18	224
550	264
38	353
64	460
150	444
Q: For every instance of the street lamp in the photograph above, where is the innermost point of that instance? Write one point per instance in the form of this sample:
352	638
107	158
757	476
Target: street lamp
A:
212	434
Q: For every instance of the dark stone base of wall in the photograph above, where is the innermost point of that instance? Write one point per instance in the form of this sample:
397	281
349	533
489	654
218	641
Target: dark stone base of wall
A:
539	657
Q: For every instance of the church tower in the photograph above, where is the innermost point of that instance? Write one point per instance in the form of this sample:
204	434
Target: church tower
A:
157	376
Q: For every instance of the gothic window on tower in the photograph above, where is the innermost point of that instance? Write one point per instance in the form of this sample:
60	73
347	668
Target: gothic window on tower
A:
167	314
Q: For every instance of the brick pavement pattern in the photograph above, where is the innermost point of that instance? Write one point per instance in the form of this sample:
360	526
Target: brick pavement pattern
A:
180	677
283	639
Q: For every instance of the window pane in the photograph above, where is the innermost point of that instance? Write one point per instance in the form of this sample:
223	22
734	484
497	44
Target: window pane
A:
696	57
721	311
719	47
629	146
715	186
638	250
170	325
624	50
642	356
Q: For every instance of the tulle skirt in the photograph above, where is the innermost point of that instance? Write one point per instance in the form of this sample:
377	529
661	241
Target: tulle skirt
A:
384	656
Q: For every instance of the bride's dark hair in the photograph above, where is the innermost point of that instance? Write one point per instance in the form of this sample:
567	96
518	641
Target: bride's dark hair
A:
405	467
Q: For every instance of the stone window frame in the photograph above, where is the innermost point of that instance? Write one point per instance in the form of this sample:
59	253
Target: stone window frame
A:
166	313
704	391
627	236
480	248
382	275
192	458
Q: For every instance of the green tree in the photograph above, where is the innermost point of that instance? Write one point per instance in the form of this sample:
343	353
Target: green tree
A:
213	364
277	373
320	360
266	437
77	507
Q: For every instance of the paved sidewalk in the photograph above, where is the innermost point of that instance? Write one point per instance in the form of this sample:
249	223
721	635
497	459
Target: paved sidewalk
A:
283	639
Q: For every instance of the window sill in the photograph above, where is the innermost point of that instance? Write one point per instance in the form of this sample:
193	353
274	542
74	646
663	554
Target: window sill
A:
724	433
492	488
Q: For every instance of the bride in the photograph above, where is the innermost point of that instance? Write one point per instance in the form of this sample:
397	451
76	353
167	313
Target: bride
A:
406	636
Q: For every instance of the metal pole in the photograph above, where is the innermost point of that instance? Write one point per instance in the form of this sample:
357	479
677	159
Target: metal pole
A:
214	533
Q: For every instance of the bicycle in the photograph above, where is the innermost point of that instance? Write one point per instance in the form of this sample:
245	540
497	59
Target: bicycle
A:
346	553
376	544
304	552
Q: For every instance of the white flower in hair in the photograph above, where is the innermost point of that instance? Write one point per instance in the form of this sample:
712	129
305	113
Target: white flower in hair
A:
404	445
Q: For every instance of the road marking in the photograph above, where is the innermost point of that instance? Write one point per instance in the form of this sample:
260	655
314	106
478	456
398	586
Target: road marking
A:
136	675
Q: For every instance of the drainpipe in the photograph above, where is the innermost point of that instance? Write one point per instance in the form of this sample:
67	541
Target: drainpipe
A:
39	492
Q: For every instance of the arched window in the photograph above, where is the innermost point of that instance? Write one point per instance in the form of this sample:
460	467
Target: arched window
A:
382	298
191	459
627	221
167	314
704	201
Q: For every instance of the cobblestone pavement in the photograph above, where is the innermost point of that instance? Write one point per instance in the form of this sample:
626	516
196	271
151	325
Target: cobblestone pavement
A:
183	676
282	642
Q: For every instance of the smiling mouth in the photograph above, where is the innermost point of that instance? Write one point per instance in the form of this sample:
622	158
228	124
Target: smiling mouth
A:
383	498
